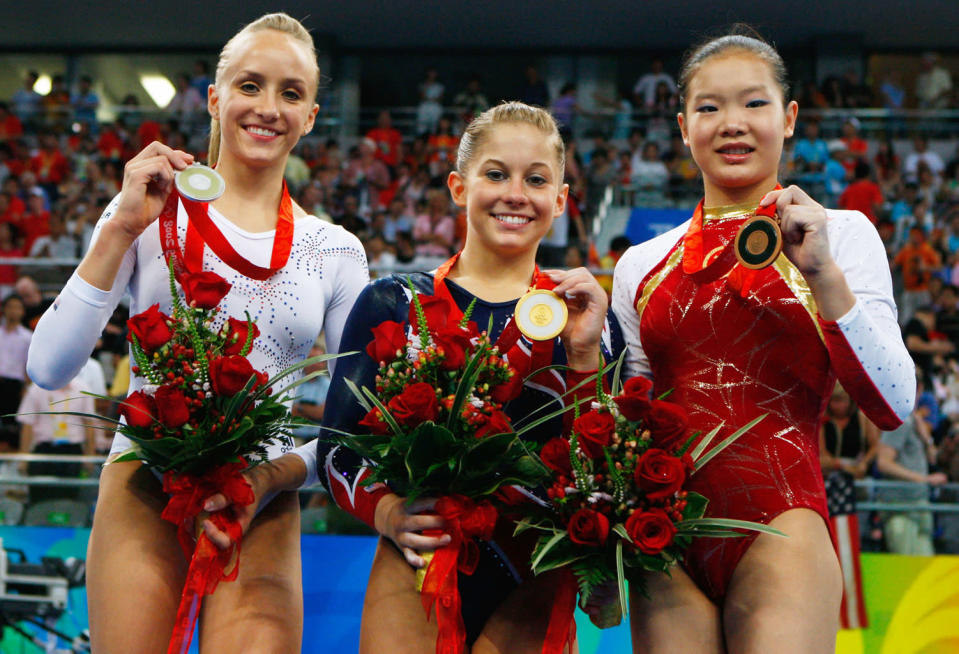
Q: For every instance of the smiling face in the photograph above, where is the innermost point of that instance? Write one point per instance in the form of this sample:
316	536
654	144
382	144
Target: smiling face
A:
511	190
735	124
264	99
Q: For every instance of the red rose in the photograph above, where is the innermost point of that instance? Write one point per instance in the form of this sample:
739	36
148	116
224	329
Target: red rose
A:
497	423
667	423
151	329
237	332
437	312
508	390
455	342
651	531
373	421
659	474
595	429
172	410
229	374
415	405
388	337
588	527
555	454
634	403
138	409
204	289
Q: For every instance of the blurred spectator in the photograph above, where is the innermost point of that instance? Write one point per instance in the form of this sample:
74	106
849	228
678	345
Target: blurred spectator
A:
10	126
405	248
55	434
34	304
947	315
892	94
887	166
201	77
187	105
49	165
922	154
849	441
534	90
862	194
350	218
36	221
14	344
85	103
58	243
650	175
397	219
856	146
471	100
387	139
431	103
296	173
917	260
926	347
934	83
905	454
617	248
441	148
9	249
56	103
645	90
811	96
25	101
565	108
377	252
434	231
810	154
367	175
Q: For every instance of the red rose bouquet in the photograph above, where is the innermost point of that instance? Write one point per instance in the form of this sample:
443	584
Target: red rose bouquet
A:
618	503
203	414
435	427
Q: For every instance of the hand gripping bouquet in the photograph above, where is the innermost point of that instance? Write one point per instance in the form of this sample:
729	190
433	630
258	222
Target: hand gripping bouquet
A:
617	501
436	428
202	415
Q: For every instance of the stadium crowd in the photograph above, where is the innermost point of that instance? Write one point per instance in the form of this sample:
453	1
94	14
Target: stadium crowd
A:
60	166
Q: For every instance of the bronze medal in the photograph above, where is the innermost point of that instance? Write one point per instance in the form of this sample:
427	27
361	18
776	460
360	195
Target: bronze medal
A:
758	242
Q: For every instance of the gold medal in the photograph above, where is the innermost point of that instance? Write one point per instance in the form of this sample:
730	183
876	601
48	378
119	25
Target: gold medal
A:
199	183
758	242
541	315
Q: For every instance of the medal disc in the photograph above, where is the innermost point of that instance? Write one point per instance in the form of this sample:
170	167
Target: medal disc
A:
541	315
758	242
199	183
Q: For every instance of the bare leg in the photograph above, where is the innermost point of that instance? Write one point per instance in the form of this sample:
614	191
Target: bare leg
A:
679	618
784	595
393	617
518	626
135	569
261	612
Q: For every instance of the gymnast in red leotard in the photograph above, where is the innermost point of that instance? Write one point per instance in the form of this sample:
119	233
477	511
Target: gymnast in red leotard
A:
734	343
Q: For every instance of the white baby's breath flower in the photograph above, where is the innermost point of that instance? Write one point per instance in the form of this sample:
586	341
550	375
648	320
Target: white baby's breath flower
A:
150	389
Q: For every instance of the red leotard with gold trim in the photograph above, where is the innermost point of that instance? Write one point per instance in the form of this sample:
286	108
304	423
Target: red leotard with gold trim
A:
730	356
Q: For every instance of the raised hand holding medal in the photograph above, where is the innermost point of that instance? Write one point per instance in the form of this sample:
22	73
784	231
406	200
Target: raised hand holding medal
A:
759	240
586	304
802	221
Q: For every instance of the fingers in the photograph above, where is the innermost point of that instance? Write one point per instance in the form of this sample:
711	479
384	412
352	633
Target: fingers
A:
413	558
578	284
219	538
790	195
421	542
420	505
177	158
215	503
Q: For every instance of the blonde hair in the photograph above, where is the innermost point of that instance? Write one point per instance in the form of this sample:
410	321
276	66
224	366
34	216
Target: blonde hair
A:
508	112
278	22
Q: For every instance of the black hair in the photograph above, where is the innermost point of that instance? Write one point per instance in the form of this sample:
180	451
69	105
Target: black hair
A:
739	37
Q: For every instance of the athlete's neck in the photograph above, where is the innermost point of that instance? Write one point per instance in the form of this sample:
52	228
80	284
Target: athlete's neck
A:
718	197
252	197
492	276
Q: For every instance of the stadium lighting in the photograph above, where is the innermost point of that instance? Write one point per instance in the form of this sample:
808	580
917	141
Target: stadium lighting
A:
43	84
159	88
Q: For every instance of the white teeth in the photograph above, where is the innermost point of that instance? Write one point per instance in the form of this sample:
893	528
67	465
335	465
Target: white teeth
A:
512	220
259	131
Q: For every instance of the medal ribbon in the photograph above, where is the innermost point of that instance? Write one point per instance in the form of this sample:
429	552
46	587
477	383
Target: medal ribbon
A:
740	279
201	231
541	352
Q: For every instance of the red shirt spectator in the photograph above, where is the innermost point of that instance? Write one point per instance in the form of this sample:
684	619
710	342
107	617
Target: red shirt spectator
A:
918	259
35	223
49	164
387	139
12	208
863	194
10	126
110	145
